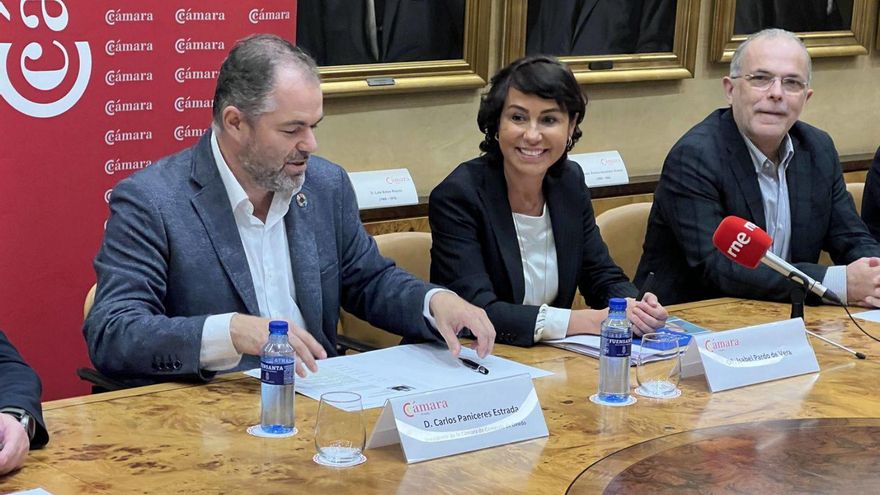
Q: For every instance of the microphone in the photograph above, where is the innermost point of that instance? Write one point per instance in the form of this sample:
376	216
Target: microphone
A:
745	243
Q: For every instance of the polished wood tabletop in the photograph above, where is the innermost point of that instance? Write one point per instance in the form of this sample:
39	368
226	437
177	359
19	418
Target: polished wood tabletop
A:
824	455
186	438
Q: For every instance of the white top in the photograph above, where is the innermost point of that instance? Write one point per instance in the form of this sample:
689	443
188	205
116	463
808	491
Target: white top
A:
537	248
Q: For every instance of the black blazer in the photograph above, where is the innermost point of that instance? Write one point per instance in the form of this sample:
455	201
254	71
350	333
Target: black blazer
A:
871	198
599	27
334	31
475	252
709	175
20	387
792	15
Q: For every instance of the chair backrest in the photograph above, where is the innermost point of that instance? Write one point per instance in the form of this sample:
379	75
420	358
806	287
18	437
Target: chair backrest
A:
412	252
90	300
856	190
623	230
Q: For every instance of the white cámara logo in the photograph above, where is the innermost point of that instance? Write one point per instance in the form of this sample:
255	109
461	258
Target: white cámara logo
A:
43	80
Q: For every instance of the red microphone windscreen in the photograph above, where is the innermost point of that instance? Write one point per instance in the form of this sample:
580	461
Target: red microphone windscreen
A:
741	241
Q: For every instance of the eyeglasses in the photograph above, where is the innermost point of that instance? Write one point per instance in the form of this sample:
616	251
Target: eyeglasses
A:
790	85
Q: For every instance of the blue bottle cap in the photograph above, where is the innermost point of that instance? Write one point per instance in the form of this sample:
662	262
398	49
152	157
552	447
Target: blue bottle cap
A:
278	327
617	304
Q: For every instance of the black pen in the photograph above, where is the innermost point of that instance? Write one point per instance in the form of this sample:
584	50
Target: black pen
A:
474	366
647	286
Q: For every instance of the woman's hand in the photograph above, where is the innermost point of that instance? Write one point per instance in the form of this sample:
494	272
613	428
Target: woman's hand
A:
586	321
646	315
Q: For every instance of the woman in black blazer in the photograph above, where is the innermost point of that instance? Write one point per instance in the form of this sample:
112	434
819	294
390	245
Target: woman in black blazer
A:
514	231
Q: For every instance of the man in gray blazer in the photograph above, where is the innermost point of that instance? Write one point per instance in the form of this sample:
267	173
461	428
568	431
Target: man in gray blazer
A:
204	247
756	160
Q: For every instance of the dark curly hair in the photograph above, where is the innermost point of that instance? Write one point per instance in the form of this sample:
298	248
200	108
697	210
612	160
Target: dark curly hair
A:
538	75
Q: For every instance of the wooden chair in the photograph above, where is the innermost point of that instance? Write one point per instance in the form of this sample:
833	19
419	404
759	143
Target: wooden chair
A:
623	230
100	382
412	252
856	190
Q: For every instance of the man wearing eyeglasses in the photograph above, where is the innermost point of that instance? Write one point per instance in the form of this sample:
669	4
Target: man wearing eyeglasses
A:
756	160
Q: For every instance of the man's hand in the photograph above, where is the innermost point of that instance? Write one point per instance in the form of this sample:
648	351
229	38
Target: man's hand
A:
15	443
453	313
863	282
646	315
250	333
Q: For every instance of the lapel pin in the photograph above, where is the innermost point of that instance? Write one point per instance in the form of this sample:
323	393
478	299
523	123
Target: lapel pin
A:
301	200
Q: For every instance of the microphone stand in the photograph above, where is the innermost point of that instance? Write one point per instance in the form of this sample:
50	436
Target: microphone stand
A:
798	295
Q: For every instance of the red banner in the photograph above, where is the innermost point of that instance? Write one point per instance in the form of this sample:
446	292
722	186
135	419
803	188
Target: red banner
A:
93	91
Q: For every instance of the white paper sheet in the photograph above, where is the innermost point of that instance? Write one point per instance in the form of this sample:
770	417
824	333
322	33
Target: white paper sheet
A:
402	370
873	315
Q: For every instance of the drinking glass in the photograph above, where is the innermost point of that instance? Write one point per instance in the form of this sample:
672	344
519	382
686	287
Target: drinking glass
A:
658	366
339	433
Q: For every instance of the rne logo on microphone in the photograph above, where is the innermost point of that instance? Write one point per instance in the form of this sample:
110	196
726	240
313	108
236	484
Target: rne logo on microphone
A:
742	239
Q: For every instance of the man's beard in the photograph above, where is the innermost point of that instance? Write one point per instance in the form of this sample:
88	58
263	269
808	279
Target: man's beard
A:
267	177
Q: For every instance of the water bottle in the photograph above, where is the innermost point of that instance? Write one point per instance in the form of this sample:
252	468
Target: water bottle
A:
616	343
277	376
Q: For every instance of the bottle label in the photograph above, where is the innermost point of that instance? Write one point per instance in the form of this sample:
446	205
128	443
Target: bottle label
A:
276	373
617	347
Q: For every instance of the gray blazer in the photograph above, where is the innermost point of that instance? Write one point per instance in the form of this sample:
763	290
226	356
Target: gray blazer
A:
172	256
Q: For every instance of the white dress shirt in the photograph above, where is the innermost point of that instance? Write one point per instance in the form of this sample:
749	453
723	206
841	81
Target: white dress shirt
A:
268	256
537	248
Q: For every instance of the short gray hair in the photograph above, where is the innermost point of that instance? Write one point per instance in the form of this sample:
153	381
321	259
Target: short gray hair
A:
247	76
736	61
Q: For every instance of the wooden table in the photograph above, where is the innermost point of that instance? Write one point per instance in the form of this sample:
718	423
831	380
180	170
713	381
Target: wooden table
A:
179	438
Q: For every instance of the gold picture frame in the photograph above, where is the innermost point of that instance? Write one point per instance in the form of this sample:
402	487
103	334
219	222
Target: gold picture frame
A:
843	43
677	64
471	71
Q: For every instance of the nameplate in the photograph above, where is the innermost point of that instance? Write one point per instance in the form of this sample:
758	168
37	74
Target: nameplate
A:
381	188
461	419
605	168
736	358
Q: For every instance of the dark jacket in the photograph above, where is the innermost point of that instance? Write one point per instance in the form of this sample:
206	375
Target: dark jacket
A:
709	175
20	387
871	198
475	251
